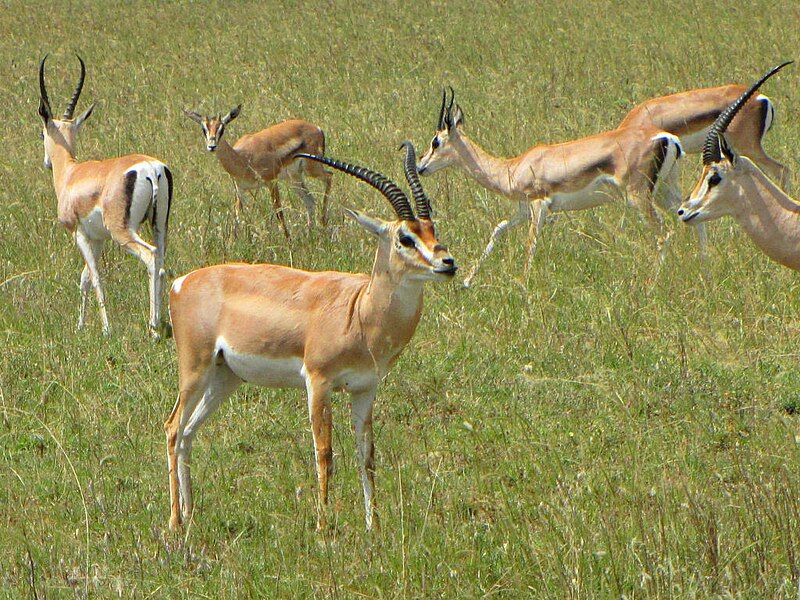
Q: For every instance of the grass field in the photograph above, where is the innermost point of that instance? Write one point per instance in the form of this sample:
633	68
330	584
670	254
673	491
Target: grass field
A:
594	428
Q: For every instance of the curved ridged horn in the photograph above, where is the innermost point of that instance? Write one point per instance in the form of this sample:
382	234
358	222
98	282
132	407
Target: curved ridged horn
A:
42	88
440	124
389	189
449	114
711	148
421	201
70	111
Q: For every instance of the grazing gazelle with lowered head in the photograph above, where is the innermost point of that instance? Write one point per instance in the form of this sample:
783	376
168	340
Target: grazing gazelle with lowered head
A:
102	199
323	331
577	175
732	184
261	158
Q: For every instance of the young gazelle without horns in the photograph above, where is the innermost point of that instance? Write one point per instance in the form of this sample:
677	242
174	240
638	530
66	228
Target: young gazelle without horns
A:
261	158
690	114
571	176
732	184
101	199
326	331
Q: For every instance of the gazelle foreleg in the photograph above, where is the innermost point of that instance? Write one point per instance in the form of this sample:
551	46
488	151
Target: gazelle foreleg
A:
275	194
361	418
523	214
96	247
90	250
319	412
540	210
299	187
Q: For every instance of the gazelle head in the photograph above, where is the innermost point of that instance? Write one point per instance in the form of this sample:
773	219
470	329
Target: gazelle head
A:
441	153
214	126
714	195
410	241
64	131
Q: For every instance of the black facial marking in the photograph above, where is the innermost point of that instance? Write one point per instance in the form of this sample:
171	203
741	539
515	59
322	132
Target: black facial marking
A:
435	143
406	240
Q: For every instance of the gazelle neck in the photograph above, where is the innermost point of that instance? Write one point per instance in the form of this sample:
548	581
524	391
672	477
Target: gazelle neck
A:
389	308
490	171
62	159
770	217
232	161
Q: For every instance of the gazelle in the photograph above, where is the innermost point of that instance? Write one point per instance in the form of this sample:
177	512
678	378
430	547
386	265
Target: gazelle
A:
101	199
260	159
562	177
690	114
732	184
326	331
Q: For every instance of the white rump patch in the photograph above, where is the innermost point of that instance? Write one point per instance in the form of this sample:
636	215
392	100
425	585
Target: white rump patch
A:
176	285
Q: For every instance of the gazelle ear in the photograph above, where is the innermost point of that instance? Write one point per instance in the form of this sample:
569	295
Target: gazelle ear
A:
84	115
231	115
193	116
457	117
371	224
726	150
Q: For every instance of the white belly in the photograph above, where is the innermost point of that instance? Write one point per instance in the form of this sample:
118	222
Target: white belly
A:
263	370
94	226
598	192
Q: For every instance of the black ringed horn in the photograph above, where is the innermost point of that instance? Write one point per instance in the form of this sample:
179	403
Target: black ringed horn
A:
440	124
70	110
421	200
42	88
711	147
389	189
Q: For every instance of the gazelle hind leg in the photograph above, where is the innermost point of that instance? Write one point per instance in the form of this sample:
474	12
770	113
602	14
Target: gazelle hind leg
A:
523	214
299	187
220	383
361	418
90	250
319	413
148	255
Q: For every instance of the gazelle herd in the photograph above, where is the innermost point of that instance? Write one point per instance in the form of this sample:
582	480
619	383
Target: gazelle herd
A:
327	332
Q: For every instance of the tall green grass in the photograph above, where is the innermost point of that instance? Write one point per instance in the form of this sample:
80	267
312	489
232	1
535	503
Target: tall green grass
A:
596	427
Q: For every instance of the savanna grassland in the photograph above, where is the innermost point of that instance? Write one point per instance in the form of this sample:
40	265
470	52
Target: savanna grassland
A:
595	427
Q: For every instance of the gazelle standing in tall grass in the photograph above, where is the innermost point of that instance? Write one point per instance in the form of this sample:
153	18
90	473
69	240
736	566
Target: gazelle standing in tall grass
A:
261	158
642	161
732	184
284	328
102	199
689	116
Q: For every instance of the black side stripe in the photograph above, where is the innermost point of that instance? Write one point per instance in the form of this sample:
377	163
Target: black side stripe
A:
130	183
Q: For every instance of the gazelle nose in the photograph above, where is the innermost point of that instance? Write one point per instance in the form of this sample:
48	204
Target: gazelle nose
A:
449	261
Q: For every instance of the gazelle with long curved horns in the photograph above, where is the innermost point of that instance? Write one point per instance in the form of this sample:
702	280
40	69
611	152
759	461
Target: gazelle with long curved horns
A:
577	175
732	184
262	158
102	199
284	328
690	114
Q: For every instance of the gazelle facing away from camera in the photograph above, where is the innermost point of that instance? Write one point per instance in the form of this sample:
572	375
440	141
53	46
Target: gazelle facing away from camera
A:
732	184
689	115
326	331
260	159
102	199
585	173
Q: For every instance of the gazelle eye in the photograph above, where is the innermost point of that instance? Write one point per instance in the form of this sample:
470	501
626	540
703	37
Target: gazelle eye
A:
407	241
435	143
714	179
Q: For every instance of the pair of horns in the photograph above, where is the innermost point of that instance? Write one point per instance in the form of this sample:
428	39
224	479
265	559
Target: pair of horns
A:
712	149
445	115
70	110
390	190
